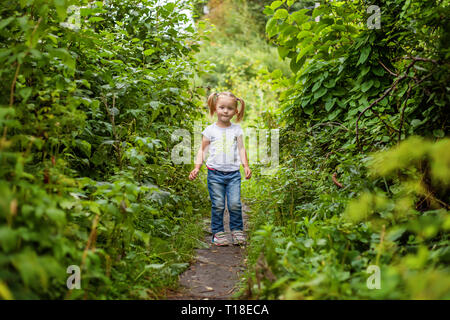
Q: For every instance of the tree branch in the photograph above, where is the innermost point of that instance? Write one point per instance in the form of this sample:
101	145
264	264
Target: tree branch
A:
388	90
386	68
336	182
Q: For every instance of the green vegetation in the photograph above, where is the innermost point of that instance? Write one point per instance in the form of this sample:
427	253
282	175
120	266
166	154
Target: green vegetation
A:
85	173
87	113
357	185
238	58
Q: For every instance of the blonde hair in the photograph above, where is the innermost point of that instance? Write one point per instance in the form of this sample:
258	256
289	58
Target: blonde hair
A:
212	101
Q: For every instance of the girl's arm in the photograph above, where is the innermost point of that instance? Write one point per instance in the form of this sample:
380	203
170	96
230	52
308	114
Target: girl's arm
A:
243	155
199	158
201	153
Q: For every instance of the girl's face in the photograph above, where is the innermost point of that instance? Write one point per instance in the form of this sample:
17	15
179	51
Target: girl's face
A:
225	108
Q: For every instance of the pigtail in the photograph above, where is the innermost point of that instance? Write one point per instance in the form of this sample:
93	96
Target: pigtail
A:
212	103
240	114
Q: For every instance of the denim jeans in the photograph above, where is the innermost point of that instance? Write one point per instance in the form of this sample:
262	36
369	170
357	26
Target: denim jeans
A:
221	184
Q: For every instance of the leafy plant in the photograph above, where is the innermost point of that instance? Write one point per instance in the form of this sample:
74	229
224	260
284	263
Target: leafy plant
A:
86	179
360	181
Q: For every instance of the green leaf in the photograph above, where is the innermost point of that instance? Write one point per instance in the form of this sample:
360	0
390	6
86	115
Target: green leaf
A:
364	55
299	17
31	271
274	5
25	93
334	114
364	71
366	85
169	7
378	71
339	28
95	19
36	54
8	238
271	27
84	146
395	233
56	215
155	266
302	34
64	55
268	11
438	133
316	86
296	65
304	51
179	267
149	52
173	110
309	109
331	83
320	93
329	104
416	123
283	52
5	22
281	14
61	9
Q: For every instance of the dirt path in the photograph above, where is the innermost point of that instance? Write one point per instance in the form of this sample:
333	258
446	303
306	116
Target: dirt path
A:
215	272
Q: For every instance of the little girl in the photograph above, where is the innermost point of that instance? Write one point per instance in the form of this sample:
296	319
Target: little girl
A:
224	177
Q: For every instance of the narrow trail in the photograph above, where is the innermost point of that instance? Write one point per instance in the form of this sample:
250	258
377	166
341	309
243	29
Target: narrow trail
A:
214	274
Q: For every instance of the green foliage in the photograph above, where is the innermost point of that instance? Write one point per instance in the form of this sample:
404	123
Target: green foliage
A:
342	67
360	181
238	59
87	112
313	240
85	173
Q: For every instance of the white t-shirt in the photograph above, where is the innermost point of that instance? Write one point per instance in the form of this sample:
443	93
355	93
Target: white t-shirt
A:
223	151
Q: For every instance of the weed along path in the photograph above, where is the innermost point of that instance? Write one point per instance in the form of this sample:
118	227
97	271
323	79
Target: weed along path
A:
215	271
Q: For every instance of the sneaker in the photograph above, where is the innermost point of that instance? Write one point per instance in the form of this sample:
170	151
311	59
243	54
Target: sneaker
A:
238	237
220	239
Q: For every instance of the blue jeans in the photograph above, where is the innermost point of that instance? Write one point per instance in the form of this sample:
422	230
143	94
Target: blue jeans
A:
221	184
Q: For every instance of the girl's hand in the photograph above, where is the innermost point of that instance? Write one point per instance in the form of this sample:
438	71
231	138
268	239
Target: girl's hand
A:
193	174
248	172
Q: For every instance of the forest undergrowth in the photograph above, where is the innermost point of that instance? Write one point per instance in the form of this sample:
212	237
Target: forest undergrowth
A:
92	92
